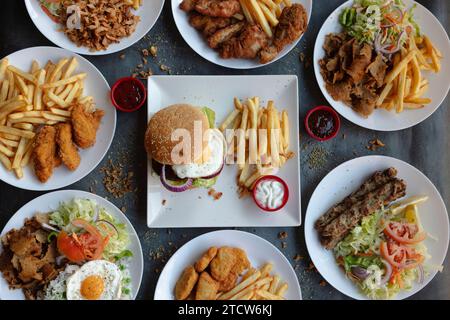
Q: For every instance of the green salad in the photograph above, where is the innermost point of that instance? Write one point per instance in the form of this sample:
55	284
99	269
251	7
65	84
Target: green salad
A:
385	253
88	210
385	24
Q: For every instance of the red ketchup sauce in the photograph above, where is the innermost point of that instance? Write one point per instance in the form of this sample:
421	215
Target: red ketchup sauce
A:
321	123
128	95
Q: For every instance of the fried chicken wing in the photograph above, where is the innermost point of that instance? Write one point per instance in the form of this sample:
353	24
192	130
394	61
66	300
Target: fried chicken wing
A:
224	34
186	283
85	125
44	153
247	45
206	287
208	25
67	150
292	24
218	8
205	260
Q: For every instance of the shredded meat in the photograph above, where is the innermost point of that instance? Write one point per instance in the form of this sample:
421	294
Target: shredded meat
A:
28	260
103	22
353	72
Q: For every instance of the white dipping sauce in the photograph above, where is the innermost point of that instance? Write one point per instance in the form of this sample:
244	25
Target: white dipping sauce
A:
211	166
270	194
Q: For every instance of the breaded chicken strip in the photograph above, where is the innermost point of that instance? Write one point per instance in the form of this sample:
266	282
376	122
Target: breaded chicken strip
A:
85	125
206	287
186	283
204	261
218	8
67	150
44	153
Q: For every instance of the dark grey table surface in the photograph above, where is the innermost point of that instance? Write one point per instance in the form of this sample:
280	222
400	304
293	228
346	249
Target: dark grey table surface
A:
425	146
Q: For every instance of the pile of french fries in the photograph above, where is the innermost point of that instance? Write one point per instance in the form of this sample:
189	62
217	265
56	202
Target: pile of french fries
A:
257	284
135	3
41	96
264	12
405	84
262	143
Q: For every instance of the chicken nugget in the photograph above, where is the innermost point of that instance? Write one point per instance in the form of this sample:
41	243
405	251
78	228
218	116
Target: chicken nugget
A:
186	283
222	263
204	261
206	287
242	262
229	282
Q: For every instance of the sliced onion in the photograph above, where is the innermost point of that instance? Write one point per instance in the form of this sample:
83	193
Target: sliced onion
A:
215	174
49	227
59	260
170	187
421	274
111	224
359	272
387	272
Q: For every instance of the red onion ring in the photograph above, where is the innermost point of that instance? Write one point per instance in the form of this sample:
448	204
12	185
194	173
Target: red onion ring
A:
215	174
170	187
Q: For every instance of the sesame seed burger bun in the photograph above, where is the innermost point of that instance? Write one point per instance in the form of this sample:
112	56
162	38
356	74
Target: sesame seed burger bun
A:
160	127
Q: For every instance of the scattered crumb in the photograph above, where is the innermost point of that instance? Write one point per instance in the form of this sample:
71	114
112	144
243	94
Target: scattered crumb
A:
298	257
144	60
145	52
116	181
122	56
154	51
213	193
282	235
323	283
164	68
164	202
374	144
123	209
284	245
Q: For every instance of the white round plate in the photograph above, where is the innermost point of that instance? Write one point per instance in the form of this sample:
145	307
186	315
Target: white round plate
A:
51	201
198	43
95	85
349	176
259	252
149	13
381	119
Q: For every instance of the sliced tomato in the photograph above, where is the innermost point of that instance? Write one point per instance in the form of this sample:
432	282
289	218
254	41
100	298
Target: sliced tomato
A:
400	256
405	233
87	245
70	247
92	240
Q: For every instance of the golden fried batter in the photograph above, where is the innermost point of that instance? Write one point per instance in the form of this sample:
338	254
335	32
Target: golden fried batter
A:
85	125
229	282
223	262
67	150
186	283
242	262
44	153
204	261
206	287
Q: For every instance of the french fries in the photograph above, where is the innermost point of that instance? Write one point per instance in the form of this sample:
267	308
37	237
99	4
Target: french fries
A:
405	85
41	96
263	136
264	12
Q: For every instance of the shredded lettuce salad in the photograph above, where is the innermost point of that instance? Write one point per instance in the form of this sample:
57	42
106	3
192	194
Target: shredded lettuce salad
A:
88	209
361	249
52	7
385	24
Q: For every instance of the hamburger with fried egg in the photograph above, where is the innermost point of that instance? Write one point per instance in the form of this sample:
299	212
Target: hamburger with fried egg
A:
185	148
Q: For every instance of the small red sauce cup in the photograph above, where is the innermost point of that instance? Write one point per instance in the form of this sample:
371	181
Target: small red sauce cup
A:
269	178
337	123
133	81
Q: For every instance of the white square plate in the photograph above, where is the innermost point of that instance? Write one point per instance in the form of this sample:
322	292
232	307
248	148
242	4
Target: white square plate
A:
194	208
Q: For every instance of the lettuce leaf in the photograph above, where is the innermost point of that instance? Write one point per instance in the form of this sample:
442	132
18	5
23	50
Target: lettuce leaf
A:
211	115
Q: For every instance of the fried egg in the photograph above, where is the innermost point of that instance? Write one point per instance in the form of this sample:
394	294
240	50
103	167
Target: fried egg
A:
95	280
